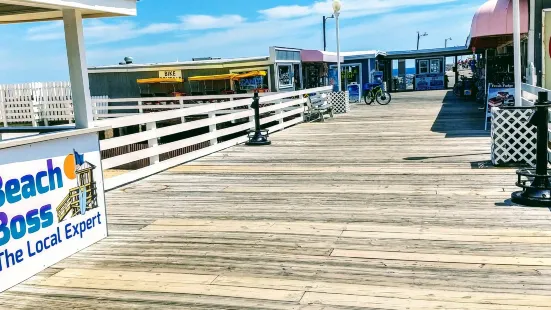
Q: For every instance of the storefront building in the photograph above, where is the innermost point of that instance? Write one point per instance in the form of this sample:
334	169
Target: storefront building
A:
288	68
315	67
120	81
429	69
492	38
356	71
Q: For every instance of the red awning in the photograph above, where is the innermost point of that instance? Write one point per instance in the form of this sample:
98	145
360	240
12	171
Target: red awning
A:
493	23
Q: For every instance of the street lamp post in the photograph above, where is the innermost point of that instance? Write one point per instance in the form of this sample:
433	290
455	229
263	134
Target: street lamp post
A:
419	35
517	56
336	12
324	32
446	42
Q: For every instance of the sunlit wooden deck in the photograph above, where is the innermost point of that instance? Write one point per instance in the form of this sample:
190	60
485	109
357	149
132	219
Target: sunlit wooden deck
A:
388	207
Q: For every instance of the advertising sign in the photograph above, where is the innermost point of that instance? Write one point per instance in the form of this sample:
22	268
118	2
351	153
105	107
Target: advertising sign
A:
51	204
429	81
354	92
251	83
500	95
170	74
333	78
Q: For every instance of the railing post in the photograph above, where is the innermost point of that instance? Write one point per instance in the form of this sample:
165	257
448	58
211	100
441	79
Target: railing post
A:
3	109
140	109
153	143
181	102
538	193
280	111
212	128
258	136
232	108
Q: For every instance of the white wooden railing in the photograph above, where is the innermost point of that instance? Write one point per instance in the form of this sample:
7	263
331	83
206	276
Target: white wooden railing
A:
200	127
113	108
530	94
26	106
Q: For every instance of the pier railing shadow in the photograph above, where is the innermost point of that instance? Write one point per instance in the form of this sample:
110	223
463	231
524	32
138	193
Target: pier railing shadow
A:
459	118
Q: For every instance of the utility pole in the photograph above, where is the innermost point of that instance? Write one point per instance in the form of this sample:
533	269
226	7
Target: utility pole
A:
419	35
324	31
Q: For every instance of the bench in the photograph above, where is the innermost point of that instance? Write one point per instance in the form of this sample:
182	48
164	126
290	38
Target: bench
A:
316	108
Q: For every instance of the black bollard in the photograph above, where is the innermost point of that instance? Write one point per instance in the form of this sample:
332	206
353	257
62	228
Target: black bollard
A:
537	193
257	136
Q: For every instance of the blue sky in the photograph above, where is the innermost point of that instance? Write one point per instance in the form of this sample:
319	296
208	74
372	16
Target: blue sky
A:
170	30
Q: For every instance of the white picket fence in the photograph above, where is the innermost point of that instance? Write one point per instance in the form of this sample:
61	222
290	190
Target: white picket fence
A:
40	102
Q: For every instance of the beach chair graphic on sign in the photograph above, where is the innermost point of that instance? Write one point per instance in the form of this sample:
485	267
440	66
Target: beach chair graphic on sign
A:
83	197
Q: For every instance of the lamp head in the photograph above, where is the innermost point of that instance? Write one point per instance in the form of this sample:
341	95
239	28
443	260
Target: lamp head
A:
337	5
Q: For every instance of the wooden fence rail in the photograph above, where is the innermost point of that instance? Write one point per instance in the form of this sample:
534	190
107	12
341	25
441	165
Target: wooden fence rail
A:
170	138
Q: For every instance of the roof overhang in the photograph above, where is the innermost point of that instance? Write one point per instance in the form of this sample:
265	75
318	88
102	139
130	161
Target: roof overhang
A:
319	56
18	11
358	55
428	53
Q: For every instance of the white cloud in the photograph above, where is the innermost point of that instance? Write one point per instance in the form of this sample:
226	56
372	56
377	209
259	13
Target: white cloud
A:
290	11
350	8
98	31
196	22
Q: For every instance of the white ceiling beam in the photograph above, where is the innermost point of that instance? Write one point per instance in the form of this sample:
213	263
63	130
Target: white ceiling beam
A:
114	7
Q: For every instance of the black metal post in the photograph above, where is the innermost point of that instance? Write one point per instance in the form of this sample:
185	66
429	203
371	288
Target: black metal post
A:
324	37
538	193
418	38
257	136
542	123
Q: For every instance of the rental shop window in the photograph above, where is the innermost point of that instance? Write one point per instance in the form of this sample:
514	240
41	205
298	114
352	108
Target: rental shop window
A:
285	76
435	66
423	66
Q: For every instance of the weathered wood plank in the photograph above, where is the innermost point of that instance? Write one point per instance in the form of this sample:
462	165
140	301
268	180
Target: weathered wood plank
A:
388	207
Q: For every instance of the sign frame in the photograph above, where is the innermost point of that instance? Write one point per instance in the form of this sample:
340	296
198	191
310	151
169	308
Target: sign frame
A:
59	207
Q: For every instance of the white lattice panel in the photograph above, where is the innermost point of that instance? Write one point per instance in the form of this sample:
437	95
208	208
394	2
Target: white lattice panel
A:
513	139
340	102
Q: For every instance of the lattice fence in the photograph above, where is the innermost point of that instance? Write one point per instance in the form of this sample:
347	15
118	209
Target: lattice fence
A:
513	139
340	102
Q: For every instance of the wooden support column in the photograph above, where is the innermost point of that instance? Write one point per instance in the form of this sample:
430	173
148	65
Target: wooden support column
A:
80	87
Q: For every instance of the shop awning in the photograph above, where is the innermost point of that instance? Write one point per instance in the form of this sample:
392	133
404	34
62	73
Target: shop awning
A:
318	56
160	81
493	23
218	77
249	74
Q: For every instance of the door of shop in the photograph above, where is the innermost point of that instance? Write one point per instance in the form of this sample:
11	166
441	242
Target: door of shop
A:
351	73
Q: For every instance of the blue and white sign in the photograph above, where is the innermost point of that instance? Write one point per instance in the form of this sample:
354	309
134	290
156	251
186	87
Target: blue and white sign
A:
52	204
429	81
354	92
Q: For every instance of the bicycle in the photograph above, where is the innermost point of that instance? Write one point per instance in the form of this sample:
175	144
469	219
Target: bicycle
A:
374	92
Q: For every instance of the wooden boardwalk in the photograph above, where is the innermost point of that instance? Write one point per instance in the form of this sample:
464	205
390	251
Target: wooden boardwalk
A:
388	207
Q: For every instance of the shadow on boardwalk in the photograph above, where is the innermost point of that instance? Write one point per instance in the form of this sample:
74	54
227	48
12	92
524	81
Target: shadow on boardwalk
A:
459	118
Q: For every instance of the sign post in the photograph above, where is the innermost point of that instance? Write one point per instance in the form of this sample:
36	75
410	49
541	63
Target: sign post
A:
52	203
